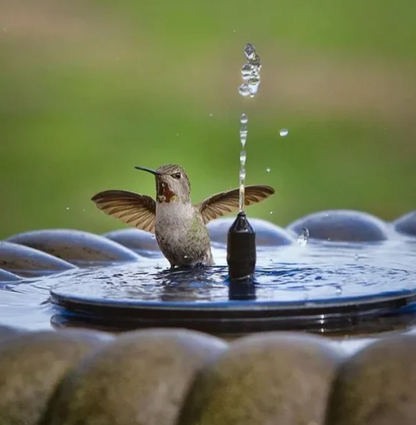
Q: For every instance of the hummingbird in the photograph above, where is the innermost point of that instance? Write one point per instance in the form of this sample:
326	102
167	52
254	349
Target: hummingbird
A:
178	224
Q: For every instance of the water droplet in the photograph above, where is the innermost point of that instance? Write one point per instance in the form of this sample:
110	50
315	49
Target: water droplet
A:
268	169
243	135
249	51
211	115
243	157
284	132
67	208
338	289
250	72
243	138
244	119
356	257
254	88
185	256
246	71
242	174
303	236
254	79
244	90
153	236
255	62
271	212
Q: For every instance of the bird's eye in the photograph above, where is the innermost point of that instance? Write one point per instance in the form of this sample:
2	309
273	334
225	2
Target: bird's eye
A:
177	175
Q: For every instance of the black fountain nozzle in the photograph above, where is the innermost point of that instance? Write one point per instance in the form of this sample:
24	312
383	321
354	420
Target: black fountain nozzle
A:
241	249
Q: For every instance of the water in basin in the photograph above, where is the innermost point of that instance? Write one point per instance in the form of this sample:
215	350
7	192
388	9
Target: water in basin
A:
317	272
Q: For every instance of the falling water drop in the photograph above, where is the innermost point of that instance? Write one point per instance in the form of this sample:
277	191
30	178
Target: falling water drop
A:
244	119
338	289
303	236
250	72
253	90
244	90
268	169
249	51
246	71
284	132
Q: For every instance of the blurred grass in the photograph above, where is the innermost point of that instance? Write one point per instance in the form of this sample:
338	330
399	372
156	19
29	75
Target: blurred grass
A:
89	89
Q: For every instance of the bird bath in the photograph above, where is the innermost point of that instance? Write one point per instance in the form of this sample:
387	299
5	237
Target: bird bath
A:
332	286
333	272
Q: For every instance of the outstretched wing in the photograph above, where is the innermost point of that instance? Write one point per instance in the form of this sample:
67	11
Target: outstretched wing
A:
131	208
227	202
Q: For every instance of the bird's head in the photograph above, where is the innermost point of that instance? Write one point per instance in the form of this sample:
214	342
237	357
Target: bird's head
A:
172	183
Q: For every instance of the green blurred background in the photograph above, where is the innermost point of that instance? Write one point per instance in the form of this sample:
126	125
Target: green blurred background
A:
90	88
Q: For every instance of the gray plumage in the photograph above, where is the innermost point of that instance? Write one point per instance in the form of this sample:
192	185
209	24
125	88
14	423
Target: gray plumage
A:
178	224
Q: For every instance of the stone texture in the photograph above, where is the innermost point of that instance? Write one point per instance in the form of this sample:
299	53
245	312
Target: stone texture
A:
6	276
7	332
267	234
142	378
377	385
406	224
25	261
342	226
137	240
271	378
74	246
33	364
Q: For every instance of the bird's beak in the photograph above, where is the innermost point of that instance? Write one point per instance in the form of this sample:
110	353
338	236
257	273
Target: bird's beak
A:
149	170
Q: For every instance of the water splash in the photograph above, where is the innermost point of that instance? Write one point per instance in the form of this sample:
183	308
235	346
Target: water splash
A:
243	157
303	236
250	72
